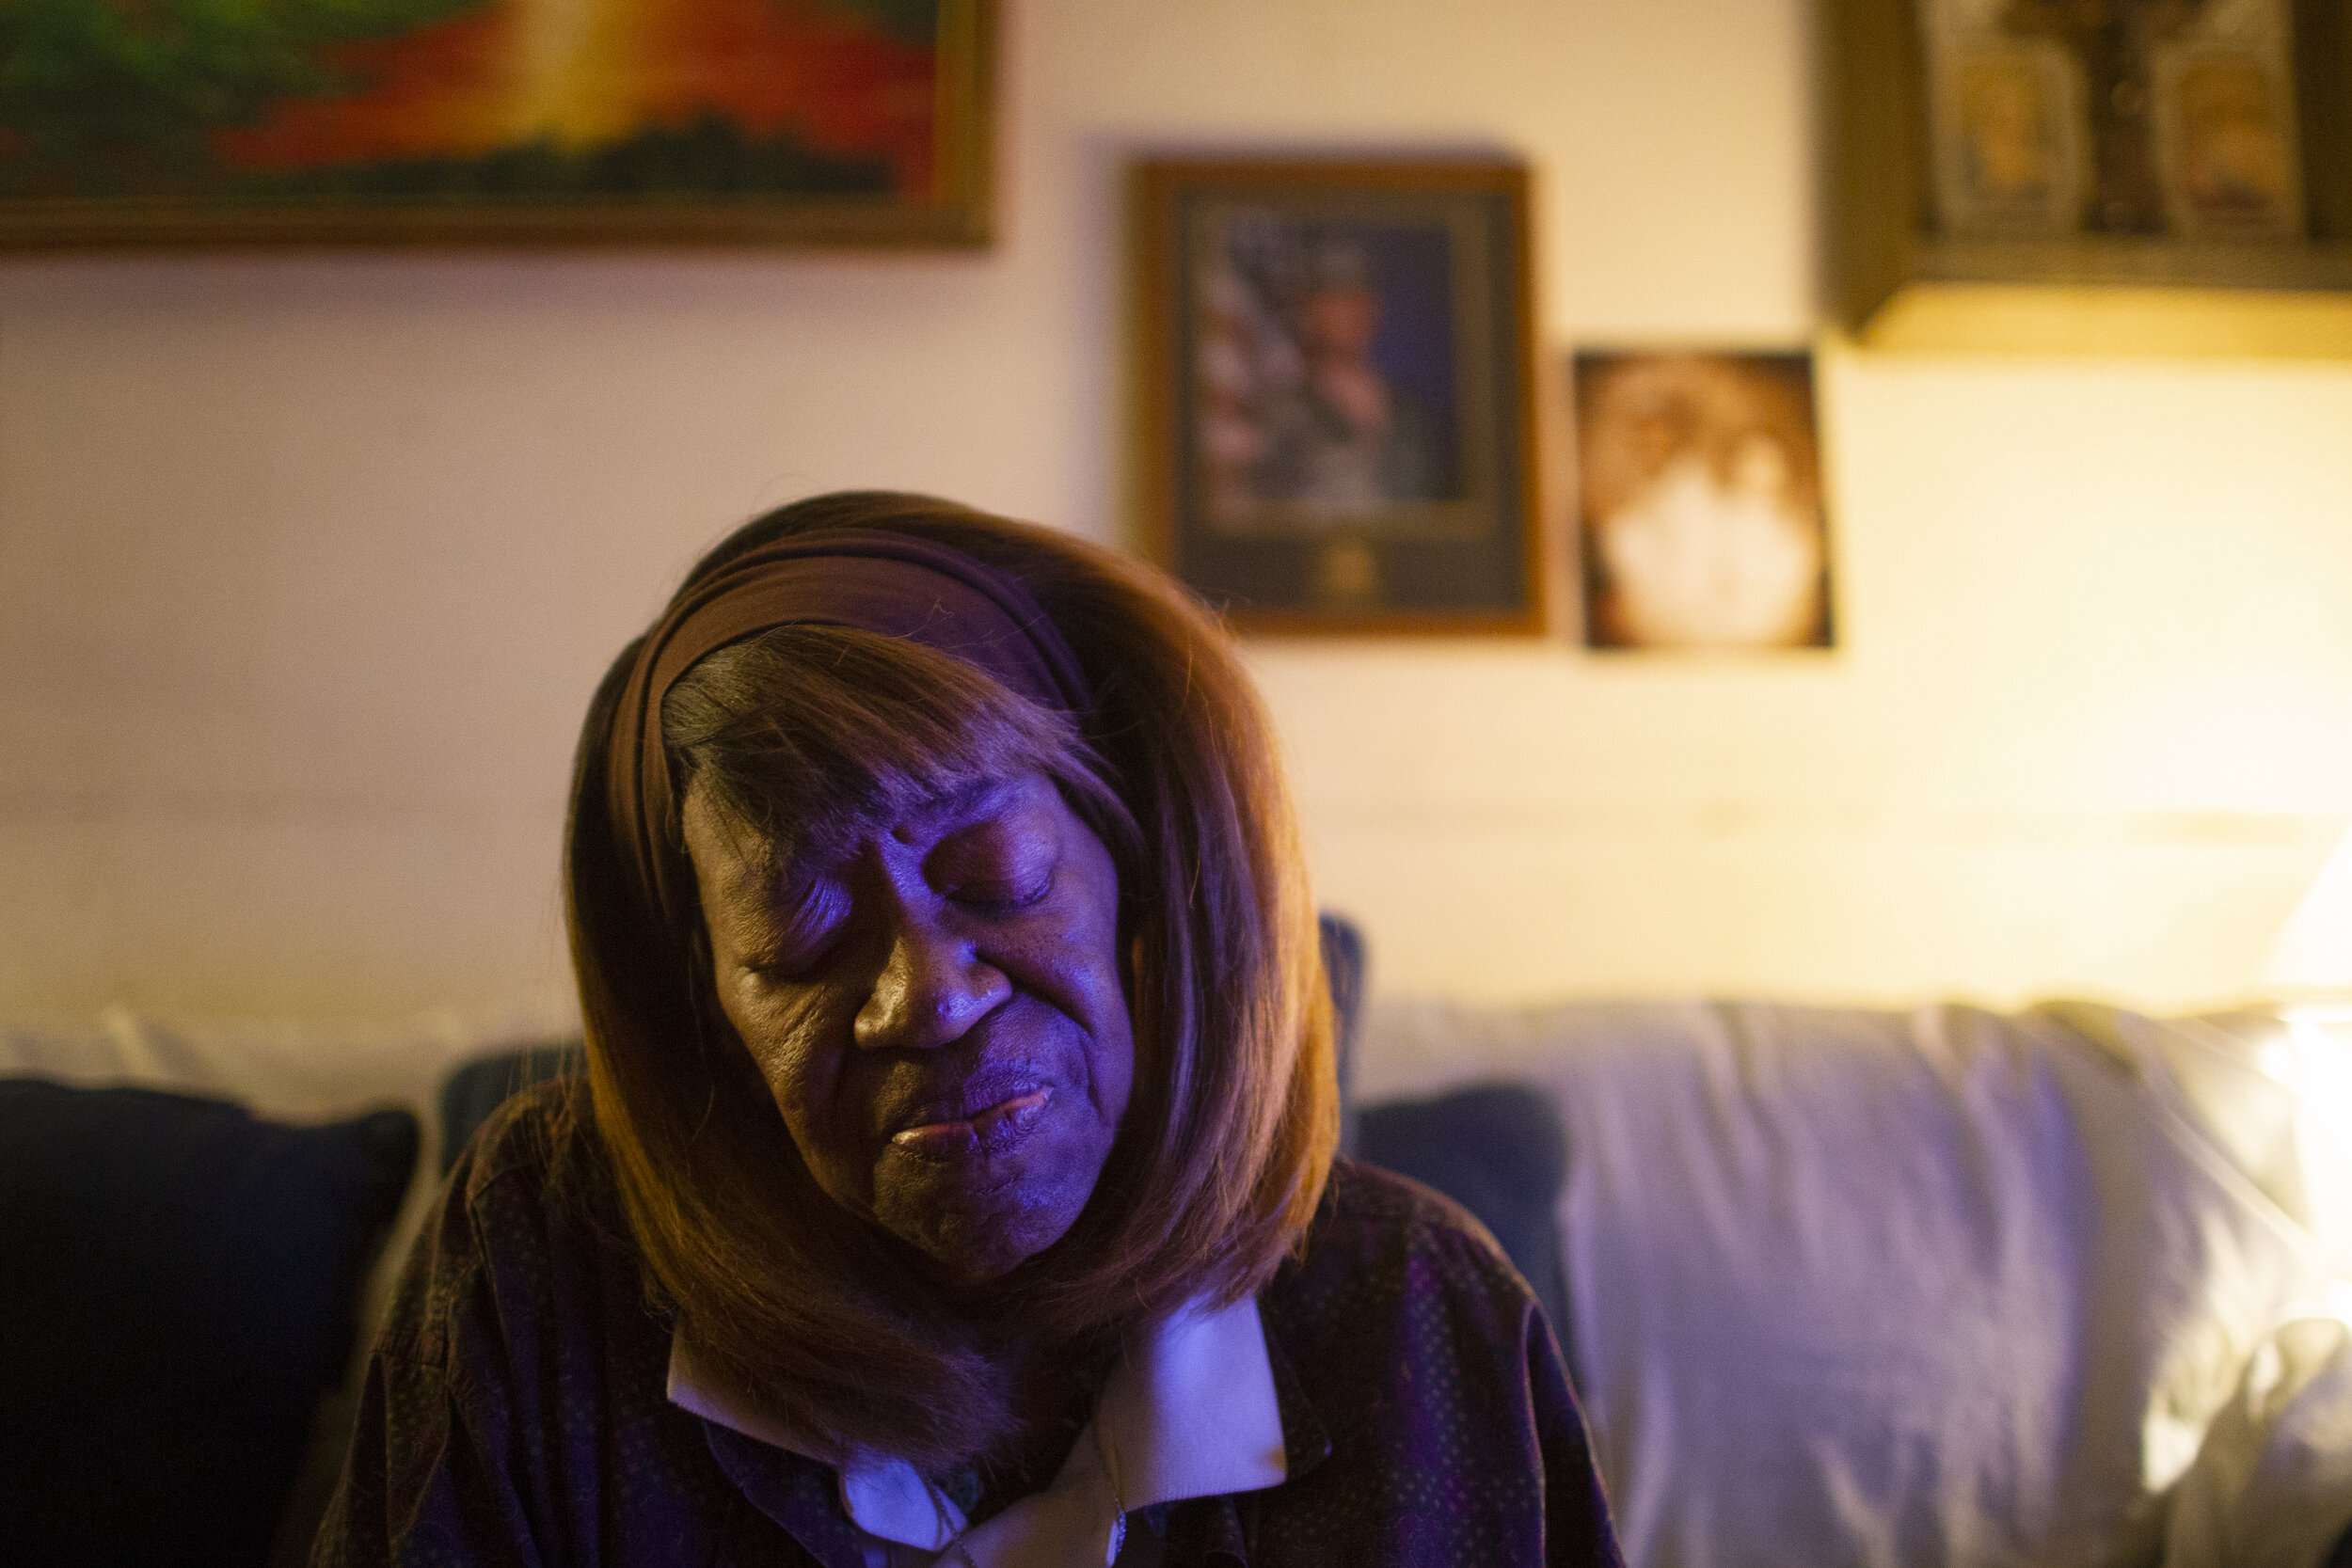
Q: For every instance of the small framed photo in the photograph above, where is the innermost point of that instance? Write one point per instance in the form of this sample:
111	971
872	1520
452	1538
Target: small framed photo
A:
1699	500
2010	135
2226	139
1337	419
510	122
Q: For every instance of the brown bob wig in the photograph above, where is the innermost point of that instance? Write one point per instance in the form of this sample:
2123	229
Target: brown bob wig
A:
827	1320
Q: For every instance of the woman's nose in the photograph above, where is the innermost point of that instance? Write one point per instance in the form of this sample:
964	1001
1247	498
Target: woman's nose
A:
931	988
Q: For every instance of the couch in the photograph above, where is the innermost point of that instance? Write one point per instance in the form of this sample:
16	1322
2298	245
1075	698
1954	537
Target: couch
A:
1936	1286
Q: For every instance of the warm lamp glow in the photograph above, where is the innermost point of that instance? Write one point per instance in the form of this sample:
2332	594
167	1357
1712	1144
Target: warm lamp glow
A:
2311	958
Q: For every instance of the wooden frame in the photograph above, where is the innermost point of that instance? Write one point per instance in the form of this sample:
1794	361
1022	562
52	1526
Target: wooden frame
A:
777	190
1336	391
1882	236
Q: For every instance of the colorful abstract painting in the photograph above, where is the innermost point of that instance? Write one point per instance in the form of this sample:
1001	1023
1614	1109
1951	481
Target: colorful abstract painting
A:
508	119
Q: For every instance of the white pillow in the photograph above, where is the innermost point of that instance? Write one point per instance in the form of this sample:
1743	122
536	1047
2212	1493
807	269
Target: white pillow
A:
2272	1486
1875	1288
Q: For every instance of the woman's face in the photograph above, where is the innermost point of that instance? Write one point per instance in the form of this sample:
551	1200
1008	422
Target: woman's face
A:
936	1007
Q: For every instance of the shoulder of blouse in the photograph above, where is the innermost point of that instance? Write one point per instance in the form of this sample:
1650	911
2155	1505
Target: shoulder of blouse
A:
1400	1328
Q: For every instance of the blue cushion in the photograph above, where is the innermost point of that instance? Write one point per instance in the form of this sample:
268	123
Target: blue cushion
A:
1343	973
1496	1149
484	1084
1499	1150
178	1289
480	1086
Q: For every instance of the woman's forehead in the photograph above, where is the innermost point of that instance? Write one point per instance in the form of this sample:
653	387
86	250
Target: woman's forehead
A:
909	817
924	820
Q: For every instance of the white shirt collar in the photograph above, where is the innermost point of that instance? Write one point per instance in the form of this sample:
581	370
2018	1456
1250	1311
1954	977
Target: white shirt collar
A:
1188	1412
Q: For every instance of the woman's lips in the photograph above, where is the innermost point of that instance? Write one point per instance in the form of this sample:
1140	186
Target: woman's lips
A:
989	1130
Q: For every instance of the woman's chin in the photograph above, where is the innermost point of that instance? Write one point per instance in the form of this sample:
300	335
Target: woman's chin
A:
977	1233
968	1255
979	1207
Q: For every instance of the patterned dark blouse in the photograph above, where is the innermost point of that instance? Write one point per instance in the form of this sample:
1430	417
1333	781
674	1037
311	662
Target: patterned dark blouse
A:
516	1410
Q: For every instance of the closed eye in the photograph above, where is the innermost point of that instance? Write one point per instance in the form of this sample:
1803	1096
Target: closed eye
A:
802	935
996	866
996	898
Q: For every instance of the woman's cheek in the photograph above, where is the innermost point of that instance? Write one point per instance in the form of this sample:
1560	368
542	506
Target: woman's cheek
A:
785	1037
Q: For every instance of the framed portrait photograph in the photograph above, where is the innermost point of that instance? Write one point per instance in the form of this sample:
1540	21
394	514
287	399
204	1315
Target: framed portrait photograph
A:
2226	137
2011	157
1699	500
494	121
1336	391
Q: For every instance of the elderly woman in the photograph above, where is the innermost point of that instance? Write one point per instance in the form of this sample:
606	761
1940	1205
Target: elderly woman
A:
953	1181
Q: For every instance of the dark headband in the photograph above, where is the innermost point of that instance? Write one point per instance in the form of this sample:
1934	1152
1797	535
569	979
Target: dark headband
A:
866	579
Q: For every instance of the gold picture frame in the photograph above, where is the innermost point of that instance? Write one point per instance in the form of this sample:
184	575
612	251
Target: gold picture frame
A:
1336	390
419	136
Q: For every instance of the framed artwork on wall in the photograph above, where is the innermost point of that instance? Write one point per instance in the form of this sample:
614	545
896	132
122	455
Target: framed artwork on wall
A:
1699	500
2171	118
1985	145
182	122
1335	391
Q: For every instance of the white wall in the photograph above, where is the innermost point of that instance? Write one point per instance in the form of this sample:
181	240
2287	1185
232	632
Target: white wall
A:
308	564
